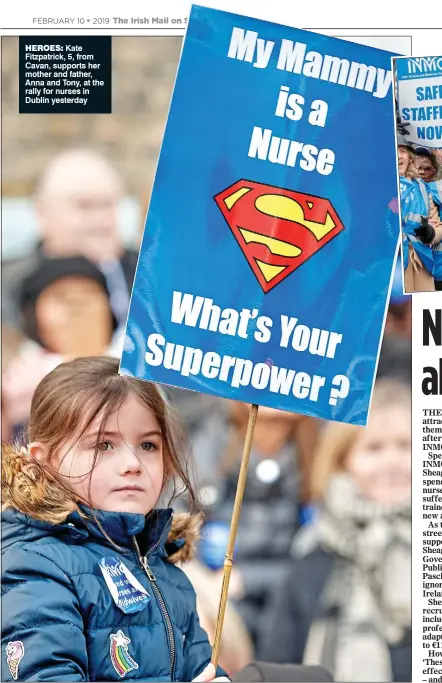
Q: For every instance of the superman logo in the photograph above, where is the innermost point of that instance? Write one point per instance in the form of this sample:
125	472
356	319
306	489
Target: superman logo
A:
277	229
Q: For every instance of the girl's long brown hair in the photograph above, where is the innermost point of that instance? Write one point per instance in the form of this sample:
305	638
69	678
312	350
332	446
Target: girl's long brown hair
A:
71	397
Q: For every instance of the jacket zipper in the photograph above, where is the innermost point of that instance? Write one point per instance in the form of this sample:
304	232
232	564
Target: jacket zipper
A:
159	597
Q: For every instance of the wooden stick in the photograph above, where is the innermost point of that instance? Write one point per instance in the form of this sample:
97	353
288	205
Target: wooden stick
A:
233	531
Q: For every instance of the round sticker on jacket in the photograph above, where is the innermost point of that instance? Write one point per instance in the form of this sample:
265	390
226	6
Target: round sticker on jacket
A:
127	592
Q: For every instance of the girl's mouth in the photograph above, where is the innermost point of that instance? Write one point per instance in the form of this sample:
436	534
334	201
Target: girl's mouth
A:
130	487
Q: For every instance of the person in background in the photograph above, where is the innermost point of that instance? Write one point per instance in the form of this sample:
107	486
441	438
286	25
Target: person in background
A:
345	602
427	164
270	513
76	204
66	314
430	171
66	308
418	234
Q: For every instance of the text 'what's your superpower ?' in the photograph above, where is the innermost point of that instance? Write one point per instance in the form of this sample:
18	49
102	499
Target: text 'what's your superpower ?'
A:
240	372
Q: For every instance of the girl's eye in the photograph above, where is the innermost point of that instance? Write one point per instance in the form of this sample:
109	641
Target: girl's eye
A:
104	446
148	446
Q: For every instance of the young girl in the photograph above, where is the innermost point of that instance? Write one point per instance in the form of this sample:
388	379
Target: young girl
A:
346	602
90	590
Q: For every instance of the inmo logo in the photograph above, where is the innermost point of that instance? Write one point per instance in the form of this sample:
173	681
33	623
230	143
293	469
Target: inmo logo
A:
424	65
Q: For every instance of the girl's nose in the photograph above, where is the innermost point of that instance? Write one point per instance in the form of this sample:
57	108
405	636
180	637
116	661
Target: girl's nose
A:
130	464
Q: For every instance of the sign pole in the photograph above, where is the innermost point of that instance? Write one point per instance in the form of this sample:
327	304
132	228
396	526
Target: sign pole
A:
228	562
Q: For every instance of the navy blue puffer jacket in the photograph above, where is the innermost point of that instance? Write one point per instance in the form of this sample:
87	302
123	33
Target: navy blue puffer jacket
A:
60	620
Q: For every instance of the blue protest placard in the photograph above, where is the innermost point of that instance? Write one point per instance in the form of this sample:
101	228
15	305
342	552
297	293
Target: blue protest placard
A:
419	81
269	244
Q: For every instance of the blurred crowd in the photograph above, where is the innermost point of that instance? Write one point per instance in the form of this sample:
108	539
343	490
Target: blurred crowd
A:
420	175
323	555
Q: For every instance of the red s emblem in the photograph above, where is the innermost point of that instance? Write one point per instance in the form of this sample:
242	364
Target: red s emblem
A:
277	229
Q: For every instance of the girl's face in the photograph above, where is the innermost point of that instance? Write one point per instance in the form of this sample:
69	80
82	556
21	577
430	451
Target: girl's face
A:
128	474
380	459
403	160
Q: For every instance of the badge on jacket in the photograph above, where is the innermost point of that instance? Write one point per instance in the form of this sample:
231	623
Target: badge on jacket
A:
120	657
14	654
127	592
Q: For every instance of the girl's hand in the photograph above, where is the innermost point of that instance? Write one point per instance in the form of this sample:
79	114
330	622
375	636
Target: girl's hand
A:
208	675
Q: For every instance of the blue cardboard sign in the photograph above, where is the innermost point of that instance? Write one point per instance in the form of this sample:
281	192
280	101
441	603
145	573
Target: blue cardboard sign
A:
269	245
419	81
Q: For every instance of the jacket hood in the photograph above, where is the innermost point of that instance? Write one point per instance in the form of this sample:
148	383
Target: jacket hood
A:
35	504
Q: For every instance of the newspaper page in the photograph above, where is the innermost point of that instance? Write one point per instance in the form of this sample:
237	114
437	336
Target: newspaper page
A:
221	342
